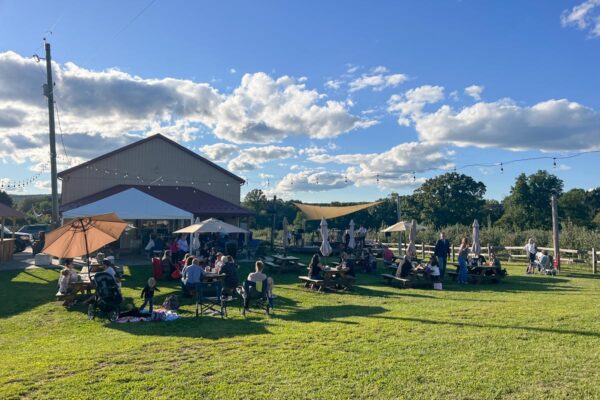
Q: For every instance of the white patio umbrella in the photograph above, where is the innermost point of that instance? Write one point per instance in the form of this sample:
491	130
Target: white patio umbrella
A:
212	225
196	238
476	247
325	246
411	250
352	242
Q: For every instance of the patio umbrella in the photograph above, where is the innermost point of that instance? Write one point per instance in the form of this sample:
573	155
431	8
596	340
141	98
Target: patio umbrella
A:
84	235
352	242
476	247
196	238
212	225
411	250
325	246
285	234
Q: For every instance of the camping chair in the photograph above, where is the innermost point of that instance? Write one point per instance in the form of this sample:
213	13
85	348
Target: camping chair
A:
209	297
255	295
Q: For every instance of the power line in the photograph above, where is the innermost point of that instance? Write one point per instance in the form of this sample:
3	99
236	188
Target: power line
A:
62	139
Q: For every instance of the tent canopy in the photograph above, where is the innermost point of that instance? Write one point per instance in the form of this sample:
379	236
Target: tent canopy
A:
402	226
9	212
130	204
318	212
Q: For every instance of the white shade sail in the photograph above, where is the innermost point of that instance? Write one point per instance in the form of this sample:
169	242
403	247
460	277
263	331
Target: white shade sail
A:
130	204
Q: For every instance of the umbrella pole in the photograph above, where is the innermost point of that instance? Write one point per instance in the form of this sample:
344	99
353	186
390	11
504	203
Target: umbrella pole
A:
87	253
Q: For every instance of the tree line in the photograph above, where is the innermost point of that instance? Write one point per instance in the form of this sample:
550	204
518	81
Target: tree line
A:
452	199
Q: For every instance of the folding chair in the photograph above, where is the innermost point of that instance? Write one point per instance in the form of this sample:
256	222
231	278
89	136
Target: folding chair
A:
209	297
255	295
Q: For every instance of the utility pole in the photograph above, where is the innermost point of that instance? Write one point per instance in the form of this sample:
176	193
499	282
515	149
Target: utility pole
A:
555	231
49	93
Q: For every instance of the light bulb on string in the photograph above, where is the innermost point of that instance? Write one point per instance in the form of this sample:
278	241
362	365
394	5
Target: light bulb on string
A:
501	168
377	178
554	162
414	177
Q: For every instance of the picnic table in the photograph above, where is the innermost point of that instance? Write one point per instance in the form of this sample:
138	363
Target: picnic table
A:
282	263
478	273
209	295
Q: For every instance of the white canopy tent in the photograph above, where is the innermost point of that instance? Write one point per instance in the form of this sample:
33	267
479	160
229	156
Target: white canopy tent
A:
131	204
212	225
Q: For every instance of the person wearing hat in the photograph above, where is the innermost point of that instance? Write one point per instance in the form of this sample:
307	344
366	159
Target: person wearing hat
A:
148	295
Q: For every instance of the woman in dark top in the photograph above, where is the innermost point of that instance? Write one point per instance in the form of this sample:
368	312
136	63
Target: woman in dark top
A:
314	268
230	271
406	267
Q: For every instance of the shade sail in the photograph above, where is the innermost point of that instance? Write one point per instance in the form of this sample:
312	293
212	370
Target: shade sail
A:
85	235
402	226
212	225
318	212
130	204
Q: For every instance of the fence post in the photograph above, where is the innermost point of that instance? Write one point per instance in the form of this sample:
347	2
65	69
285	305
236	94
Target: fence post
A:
594	261
422	251
453	258
489	249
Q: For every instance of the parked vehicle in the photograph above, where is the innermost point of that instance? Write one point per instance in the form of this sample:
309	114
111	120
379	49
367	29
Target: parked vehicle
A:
34	230
22	240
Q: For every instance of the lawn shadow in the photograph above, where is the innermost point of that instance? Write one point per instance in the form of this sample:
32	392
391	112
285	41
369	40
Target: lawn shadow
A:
518	284
30	294
333	313
495	326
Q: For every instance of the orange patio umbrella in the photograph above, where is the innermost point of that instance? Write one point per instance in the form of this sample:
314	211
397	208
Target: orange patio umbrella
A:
84	235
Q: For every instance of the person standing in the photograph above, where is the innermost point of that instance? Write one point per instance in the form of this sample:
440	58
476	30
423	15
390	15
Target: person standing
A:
182	246
148	295
362	235
531	249
442	252
463	255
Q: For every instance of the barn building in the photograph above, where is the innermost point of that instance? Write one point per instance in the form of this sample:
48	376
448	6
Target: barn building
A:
156	184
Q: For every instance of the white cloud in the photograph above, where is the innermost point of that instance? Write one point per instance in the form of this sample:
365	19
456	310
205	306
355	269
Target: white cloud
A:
552	125
312	150
409	106
377	81
311	181
392	168
585	16
334	84
474	91
254	157
232	71
112	103
219	152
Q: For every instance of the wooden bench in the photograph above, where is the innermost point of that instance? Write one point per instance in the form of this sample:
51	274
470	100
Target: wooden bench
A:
390	278
311	283
301	265
272	266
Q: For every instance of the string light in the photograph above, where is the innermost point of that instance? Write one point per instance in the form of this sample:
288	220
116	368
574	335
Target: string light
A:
554	162
501	168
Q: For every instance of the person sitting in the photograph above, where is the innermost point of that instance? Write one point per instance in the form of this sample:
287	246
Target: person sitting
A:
388	255
315	268
38	245
433	269
230	270
495	262
258	276
405	268
219	261
191	277
109	269
542	263
63	282
167	263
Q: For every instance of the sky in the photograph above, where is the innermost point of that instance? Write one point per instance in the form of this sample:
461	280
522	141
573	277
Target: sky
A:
314	100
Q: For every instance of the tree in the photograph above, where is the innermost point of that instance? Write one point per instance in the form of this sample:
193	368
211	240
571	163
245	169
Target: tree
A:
256	201
492	211
528	204
574	206
449	199
5	198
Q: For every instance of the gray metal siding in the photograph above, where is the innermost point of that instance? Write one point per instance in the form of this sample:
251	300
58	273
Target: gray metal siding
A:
150	161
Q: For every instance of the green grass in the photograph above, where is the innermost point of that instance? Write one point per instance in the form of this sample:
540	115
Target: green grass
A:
528	337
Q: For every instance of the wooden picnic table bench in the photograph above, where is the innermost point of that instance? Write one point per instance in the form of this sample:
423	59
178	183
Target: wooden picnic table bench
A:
405	282
311	283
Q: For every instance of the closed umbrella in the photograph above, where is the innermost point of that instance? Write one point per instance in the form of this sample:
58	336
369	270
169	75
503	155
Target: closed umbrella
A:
325	246
412	238
84	235
476	247
352	242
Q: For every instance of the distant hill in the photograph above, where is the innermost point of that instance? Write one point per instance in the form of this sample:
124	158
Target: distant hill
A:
19	198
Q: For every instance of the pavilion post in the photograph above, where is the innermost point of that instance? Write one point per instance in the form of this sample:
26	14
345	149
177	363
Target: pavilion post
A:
2	241
594	261
398	214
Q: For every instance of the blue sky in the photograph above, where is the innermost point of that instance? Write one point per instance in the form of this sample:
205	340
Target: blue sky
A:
322	100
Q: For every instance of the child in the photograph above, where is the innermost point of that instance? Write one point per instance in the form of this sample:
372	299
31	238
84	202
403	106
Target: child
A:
63	281
148	294
433	270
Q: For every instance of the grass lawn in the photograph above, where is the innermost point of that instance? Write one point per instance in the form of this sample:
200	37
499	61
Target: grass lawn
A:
530	337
